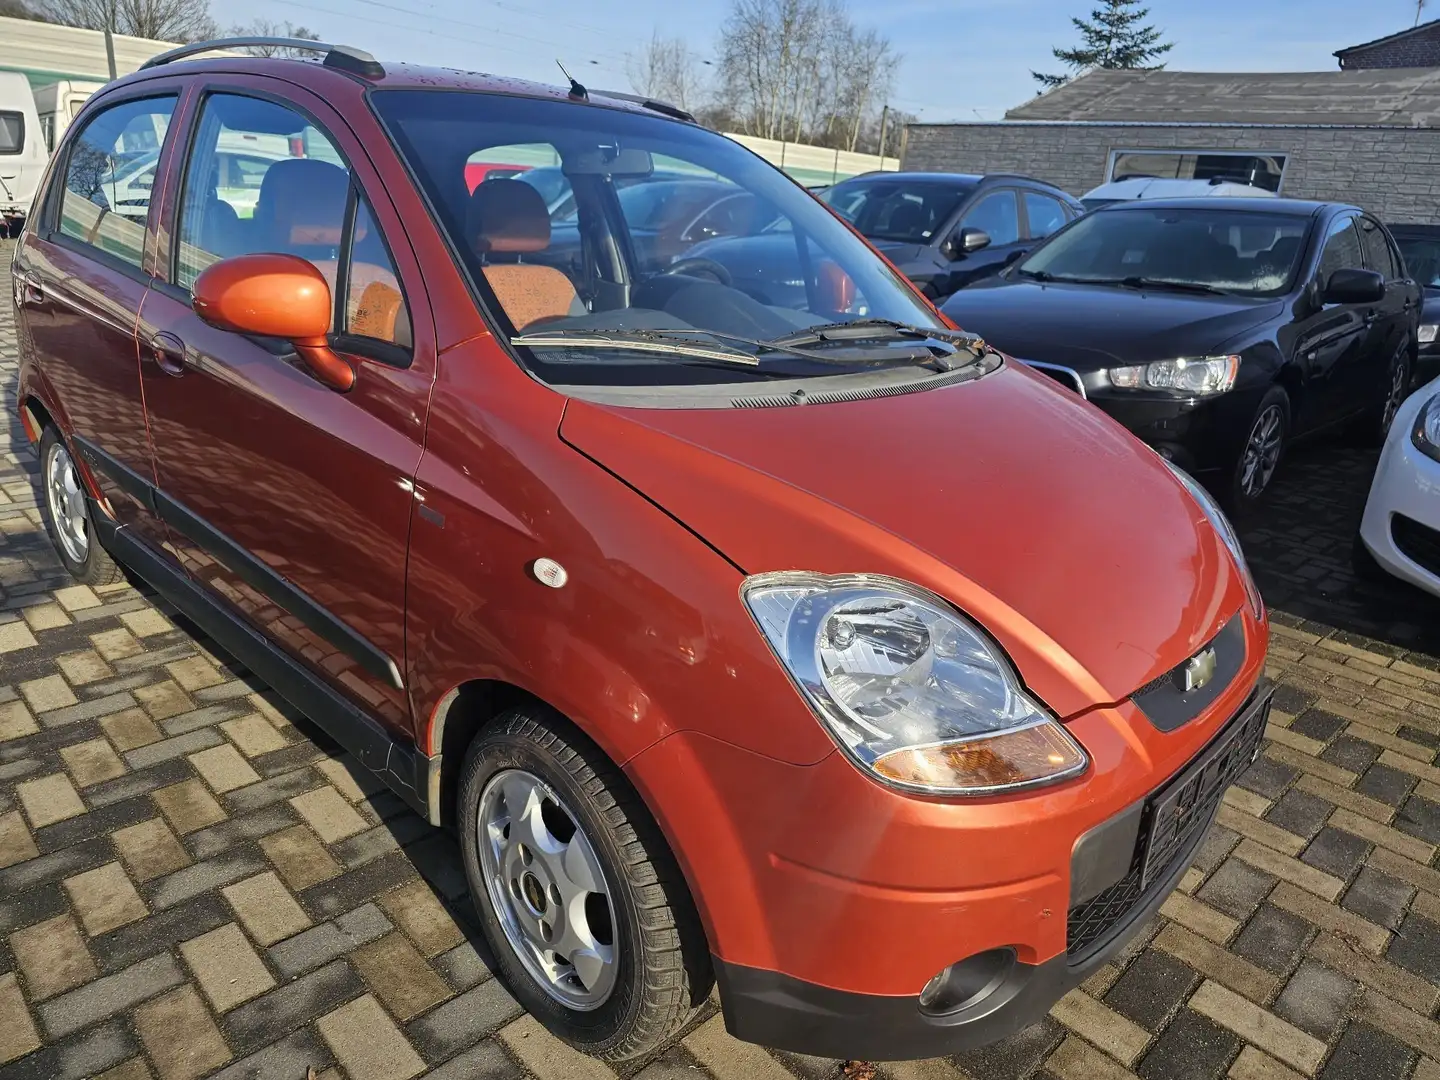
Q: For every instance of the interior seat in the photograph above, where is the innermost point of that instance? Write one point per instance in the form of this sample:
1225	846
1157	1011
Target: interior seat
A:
506	220
301	210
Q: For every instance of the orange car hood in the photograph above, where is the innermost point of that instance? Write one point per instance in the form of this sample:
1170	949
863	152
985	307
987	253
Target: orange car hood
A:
1030	510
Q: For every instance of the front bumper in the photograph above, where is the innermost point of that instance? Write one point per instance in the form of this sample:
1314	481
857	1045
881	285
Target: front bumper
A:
774	1009
830	901
1404	504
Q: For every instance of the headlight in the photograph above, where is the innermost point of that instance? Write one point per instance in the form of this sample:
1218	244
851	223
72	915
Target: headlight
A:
1192	375
1427	333
1227	533
1426	432
911	691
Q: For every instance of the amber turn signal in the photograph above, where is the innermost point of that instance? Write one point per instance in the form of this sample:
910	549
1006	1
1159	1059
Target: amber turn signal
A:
1041	753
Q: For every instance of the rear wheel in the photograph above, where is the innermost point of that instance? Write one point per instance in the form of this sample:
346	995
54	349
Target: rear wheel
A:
580	898
1397	388
1263	447
67	515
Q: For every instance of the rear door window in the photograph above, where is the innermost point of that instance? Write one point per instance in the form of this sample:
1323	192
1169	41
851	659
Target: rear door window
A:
109	179
1378	256
1045	214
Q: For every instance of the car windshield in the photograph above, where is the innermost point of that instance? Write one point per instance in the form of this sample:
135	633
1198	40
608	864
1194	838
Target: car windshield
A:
1422	257
1246	253
641	256
903	211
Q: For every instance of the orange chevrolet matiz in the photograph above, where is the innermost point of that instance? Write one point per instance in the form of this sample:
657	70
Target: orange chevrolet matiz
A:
747	623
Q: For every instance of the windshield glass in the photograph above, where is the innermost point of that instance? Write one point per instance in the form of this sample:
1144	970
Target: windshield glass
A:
1422	257
904	211
1240	252
640	254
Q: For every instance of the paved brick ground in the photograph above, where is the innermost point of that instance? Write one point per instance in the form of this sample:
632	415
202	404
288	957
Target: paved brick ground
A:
191	884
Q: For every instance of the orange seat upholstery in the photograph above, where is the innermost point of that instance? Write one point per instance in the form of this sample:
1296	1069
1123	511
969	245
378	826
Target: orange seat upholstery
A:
509	218
301	208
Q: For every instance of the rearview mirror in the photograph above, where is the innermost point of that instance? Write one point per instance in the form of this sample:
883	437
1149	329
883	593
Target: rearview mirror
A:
1348	286
966	241
273	295
609	161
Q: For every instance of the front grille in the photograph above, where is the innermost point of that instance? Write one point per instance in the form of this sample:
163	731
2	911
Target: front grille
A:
1171	825
1418	543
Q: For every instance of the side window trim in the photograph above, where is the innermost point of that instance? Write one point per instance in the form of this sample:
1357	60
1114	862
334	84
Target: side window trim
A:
57	184
364	347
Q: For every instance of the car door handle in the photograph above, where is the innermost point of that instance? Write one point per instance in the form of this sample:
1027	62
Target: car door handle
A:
168	352
31	291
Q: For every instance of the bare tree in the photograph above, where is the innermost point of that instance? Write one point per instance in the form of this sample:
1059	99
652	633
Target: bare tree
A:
161	20
800	70
266	28
666	69
18	9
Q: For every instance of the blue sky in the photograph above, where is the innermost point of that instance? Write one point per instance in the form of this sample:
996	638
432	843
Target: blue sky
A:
961	57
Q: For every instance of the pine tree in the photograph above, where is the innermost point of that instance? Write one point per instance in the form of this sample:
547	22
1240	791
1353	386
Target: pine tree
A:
1114	38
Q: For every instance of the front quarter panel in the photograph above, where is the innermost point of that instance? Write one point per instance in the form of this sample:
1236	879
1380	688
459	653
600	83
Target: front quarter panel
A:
647	637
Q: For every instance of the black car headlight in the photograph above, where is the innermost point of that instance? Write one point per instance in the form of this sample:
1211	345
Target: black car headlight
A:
1199	375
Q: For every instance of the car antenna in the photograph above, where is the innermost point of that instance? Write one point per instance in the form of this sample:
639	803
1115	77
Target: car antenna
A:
577	92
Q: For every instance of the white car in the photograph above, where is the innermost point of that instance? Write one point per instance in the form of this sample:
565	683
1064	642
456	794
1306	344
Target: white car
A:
1400	532
1151	187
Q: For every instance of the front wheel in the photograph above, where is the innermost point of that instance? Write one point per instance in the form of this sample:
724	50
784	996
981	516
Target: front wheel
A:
1260	456
579	896
1397	388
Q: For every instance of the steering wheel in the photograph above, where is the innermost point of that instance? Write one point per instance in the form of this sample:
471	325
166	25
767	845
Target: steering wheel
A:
696	263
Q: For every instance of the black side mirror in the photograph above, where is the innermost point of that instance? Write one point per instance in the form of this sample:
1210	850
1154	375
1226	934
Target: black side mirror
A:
1347	286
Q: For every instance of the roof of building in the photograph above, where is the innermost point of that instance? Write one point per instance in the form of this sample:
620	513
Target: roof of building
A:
1388	39
1389	97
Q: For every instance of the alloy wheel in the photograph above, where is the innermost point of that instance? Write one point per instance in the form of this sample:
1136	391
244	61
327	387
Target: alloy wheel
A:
1262	451
66	499
1395	396
547	888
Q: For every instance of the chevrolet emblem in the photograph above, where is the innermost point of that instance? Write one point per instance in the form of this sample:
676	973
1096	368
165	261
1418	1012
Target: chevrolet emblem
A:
1199	669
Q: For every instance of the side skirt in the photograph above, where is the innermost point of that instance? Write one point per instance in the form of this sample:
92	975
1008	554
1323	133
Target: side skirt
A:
411	774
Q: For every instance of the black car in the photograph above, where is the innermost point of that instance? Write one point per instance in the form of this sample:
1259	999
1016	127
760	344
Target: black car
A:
1420	245
942	230
1215	329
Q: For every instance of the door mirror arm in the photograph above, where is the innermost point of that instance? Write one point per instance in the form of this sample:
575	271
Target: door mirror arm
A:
275	296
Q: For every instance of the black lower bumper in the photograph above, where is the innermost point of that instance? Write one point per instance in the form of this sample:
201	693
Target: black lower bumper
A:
774	1009
1200	435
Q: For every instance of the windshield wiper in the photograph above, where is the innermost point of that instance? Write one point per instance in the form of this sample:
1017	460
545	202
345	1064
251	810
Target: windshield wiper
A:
1034	275
1173	286
692	343
857	330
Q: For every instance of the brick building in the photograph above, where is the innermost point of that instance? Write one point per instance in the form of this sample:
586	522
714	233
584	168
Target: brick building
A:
1367	136
1416	47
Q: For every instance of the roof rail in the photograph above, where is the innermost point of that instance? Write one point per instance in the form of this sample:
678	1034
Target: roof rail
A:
341	57
649	103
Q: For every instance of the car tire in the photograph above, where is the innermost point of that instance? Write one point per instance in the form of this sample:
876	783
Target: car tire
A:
1397	388
66	508
1260	453
645	968
1364	564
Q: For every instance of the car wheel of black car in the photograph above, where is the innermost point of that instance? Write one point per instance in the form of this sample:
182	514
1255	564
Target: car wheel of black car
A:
1261	452
1397	389
67	515
582	902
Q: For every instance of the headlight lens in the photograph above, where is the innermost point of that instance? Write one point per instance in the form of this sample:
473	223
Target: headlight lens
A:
1191	375
910	690
1225	529
1427	333
1426	432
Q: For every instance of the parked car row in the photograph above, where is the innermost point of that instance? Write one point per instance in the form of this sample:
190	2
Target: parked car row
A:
742	641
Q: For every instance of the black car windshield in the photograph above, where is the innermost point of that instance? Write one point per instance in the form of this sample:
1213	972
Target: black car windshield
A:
1422	256
1243	252
638	255
904	211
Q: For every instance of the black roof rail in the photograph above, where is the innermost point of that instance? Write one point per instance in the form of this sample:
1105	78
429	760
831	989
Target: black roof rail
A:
342	57
649	103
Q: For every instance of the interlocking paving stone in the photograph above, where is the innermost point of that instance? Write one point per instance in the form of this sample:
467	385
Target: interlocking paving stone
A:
110	994
150	849
17	1030
330	940
1151	988
104	898
226	967
291	1058
52	956
81	1057
1315	999
291	1006
179	1034
1192	1047
1363	1053
463	1020
399	976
